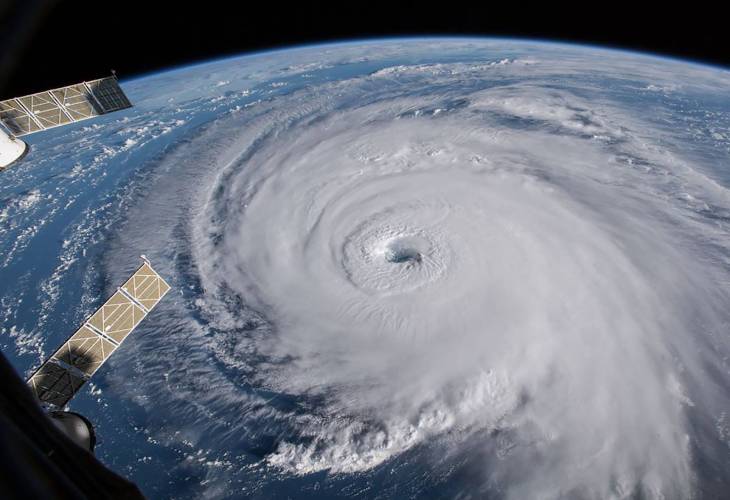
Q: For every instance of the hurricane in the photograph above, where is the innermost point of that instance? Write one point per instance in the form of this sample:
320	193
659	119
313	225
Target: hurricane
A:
450	268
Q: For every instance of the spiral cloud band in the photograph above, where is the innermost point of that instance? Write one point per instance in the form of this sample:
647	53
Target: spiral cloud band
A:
508	271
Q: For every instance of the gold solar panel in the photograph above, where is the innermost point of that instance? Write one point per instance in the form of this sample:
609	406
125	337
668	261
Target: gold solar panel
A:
146	287
53	108
77	102
55	384
66	371
117	317
86	350
16	119
45	109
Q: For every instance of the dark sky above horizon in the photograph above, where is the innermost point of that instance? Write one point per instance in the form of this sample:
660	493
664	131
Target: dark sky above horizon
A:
48	43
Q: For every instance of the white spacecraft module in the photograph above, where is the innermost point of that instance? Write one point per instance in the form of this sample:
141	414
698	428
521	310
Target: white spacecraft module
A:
36	112
66	371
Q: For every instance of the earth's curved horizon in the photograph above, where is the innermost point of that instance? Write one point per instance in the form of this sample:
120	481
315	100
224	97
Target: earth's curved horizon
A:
406	267
272	51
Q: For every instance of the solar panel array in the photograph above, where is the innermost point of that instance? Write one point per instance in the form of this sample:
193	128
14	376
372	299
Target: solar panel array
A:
63	375
53	108
108	94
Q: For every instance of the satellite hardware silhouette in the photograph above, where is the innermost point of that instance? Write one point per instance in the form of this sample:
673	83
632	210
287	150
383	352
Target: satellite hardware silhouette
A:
32	113
62	375
54	467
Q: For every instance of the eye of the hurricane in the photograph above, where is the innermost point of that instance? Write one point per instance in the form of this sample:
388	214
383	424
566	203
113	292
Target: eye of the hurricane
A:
403	251
390	260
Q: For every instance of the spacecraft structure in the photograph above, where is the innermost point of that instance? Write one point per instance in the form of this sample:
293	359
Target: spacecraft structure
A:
21	116
62	375
68	369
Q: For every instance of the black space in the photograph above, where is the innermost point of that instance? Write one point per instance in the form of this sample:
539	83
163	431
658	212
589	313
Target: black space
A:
49	43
